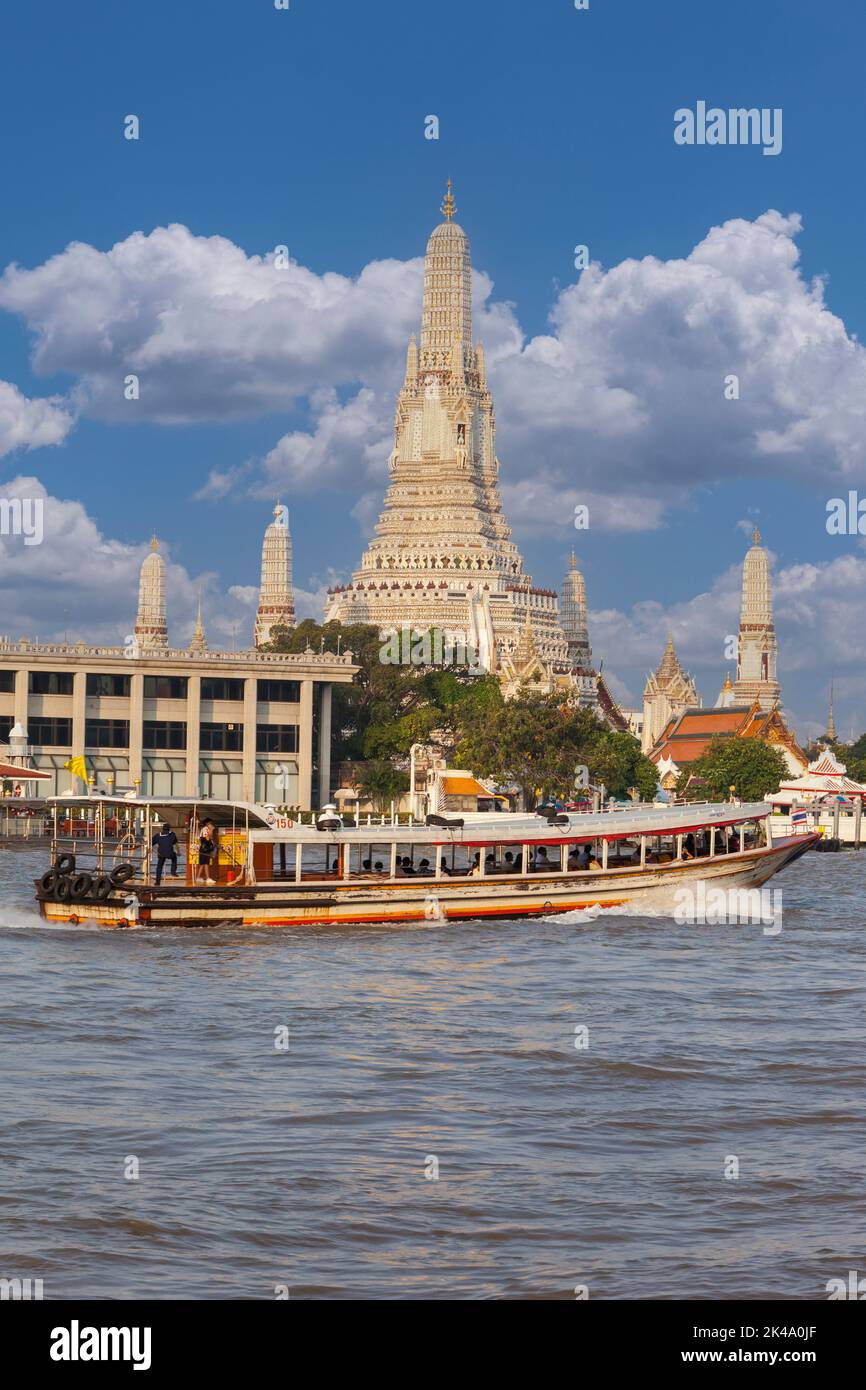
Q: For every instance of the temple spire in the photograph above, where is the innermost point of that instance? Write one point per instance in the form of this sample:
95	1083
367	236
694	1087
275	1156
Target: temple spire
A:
831	723
198	645
441	555
756	645
276	595
150	625
446	313
573	617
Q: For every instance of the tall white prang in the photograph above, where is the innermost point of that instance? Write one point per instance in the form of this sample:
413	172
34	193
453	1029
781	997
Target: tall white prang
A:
276	595
757	646
442	555
575	622
150	625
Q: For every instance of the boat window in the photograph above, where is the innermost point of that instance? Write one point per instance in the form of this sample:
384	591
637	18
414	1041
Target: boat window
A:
417	861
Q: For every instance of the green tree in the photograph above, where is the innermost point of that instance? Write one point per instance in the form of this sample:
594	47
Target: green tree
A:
381	784
753	768
534	741
615	760
389	705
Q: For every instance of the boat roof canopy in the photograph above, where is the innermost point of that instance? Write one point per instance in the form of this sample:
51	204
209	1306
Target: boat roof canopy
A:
466	828
222	813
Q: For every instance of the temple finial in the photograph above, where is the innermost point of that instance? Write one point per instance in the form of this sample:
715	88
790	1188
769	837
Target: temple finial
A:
154	543
448	205
756	537
573	560
831	723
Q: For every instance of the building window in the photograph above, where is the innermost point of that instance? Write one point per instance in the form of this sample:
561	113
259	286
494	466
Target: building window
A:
49	733
110	772
61	779
100	683
7	682
221	779
165	687
277	738
106	733
50	682
163	776
276	782
164	733
221	738
286	692
6	722
221	688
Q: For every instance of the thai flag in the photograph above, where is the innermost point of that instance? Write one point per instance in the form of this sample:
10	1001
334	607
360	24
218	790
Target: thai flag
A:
799	818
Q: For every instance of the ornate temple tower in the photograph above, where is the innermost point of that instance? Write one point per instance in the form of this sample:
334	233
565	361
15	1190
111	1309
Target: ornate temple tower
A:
276	595
573	617
442	556
756	651
830	736
669	690
198	642
150	626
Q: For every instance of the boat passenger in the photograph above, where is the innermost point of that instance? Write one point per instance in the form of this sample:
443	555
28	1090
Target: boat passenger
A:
377	867
424	869
206	851
475	871
542	863
165	842
593	863
407	866
508	864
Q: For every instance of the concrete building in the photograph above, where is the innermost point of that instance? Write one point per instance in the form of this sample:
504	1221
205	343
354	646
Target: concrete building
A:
251	725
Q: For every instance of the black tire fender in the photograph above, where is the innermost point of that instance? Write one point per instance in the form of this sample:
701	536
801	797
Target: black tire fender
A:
102	888
81	885
48	880
64	863
63	888
122	874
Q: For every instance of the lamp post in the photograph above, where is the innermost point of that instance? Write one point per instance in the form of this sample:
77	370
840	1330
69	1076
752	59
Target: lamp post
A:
412	798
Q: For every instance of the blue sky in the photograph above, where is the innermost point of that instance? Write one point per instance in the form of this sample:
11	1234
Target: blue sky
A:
306	128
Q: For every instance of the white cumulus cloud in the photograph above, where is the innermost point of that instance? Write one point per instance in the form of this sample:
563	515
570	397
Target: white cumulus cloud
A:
30	424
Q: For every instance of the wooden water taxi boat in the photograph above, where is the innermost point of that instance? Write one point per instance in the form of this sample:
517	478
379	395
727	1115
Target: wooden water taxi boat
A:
269	870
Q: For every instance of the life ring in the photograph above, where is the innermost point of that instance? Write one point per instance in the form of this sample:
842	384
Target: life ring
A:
102	888
64	863
81	885
48	881
122	874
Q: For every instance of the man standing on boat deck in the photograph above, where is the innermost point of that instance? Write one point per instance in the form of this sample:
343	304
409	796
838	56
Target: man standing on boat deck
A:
166	848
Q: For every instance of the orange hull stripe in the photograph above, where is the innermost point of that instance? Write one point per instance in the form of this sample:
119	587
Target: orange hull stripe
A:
448	913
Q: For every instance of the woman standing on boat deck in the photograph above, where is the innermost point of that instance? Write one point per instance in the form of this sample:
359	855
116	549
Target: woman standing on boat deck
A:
206	851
